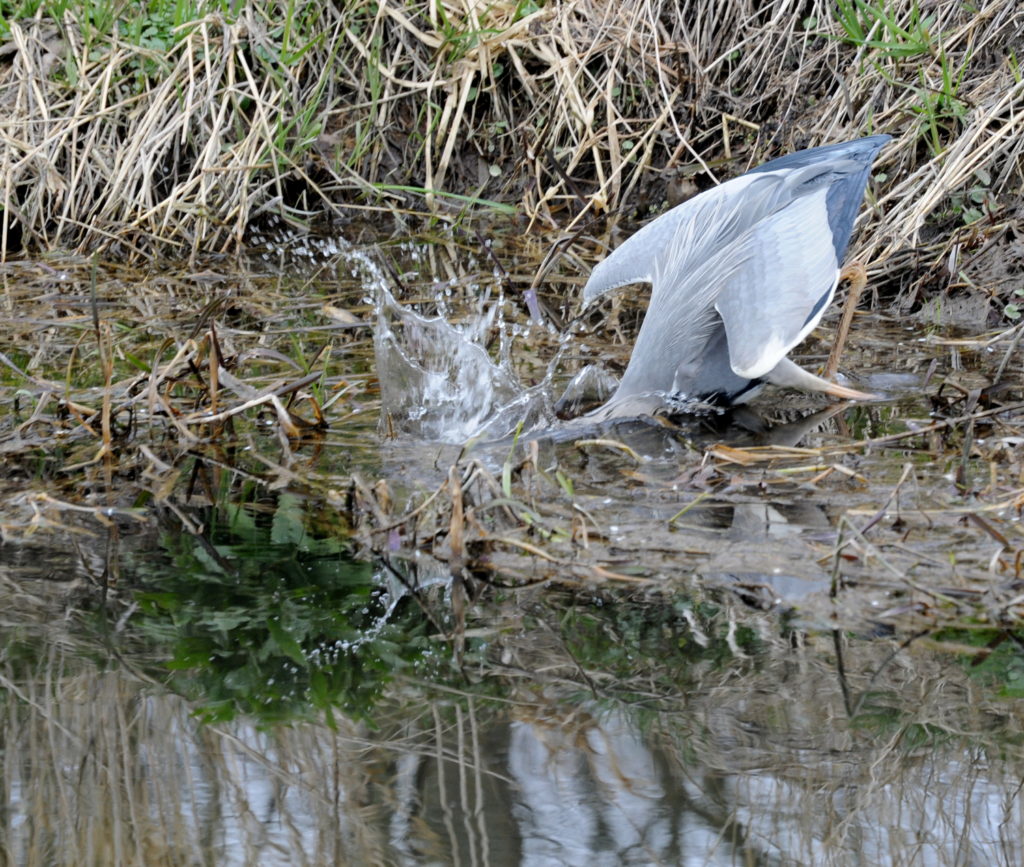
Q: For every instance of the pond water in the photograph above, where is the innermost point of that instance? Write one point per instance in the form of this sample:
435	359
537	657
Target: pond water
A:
298	566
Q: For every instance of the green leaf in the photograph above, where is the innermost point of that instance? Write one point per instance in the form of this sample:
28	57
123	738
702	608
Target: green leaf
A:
285	643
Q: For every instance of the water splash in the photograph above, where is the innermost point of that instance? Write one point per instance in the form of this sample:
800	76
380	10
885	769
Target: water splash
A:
438	379
592	386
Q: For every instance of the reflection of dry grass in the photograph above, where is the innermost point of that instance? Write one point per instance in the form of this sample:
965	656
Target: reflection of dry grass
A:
101	767
109	773
901	779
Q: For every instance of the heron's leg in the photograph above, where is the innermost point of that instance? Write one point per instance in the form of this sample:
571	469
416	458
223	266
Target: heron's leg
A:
791	375
858	277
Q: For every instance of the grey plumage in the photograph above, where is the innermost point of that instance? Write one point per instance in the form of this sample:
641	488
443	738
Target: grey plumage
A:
740	274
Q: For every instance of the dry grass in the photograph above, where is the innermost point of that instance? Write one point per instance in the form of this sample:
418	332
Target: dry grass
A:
568	111
115	146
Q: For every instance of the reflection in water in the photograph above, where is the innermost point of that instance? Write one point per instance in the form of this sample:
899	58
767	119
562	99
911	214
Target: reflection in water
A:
705	786
727	750
589	791
261	615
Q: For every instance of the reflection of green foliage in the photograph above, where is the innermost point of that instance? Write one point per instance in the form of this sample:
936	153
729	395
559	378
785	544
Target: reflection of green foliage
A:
1002	670
262	618
884	712
1003	667
644	644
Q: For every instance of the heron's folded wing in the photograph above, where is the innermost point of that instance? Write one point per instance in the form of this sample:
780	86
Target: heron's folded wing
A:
689	234
778	277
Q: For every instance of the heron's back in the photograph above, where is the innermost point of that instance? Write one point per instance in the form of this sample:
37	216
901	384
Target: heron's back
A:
757	256
845	195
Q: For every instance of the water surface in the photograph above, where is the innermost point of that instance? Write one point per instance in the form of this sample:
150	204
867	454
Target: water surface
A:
268	600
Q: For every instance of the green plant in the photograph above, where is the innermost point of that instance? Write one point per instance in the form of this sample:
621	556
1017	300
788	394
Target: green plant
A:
941	112
874	25
1013	309
974	203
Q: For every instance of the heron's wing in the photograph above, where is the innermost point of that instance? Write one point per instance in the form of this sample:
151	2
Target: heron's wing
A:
672	347
781	274
847	189
690	233
718	259
714	218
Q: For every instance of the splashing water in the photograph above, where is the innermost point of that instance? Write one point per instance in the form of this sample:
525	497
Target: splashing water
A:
438	381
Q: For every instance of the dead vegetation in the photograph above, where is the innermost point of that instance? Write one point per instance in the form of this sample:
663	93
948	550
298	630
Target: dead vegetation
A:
573	112
566	111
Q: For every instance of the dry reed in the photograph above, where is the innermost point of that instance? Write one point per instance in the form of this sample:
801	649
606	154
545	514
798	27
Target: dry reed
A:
569	110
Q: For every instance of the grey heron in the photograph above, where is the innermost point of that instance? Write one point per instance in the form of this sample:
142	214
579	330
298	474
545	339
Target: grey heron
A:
740	274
